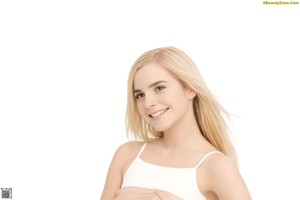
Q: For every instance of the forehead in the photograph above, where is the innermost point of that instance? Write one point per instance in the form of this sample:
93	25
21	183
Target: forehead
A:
151	73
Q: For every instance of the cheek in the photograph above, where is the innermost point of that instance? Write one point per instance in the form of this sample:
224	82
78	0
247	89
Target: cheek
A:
139	107
171	97
178	99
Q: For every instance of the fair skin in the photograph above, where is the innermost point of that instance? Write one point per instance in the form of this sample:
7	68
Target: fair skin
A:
168	106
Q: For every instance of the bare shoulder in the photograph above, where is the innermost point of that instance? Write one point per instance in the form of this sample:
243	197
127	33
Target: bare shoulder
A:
127	152
129	149
131	145
225	180
219	163
122	158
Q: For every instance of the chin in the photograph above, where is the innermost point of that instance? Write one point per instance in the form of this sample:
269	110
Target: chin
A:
161	128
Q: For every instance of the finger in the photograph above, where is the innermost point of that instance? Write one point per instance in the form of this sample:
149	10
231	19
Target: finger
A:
161	194
166	195
153	197
117	192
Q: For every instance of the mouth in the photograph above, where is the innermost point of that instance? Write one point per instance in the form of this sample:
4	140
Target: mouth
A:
158	113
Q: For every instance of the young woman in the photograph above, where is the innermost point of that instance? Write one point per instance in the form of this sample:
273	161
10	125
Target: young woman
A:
182	148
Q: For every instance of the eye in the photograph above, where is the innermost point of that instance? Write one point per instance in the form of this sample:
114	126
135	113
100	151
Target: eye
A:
159	88
139	95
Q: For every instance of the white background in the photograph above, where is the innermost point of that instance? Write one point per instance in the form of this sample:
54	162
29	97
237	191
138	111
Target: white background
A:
63	73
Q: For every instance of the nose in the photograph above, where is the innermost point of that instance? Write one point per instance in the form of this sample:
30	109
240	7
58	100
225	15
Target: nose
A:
150	100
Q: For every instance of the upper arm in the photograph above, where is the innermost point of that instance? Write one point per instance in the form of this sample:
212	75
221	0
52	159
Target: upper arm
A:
120	161
226	180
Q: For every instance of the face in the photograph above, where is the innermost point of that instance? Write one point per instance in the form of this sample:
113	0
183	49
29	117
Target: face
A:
161	99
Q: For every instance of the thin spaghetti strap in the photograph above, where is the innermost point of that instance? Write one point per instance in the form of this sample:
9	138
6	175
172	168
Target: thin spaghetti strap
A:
142	149
205	157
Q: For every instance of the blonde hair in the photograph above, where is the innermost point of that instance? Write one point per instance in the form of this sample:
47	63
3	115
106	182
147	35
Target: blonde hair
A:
208	112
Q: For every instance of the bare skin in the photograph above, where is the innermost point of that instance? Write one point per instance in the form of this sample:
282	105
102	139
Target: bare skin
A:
182	146
143	193
217	167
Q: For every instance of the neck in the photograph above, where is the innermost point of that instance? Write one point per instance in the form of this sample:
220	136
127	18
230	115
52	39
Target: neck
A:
185	134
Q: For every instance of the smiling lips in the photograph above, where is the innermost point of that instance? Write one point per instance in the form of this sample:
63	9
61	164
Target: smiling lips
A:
157	114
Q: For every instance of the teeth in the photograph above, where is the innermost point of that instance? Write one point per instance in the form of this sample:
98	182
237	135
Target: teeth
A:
158	113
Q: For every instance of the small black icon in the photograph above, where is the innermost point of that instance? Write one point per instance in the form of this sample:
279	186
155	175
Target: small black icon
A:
6	193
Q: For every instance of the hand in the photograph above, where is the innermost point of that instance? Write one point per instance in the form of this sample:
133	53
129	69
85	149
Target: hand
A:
136	193
163	195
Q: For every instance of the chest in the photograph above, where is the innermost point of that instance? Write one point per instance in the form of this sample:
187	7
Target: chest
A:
174	160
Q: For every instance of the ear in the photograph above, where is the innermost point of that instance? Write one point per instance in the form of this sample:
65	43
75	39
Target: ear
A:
191	93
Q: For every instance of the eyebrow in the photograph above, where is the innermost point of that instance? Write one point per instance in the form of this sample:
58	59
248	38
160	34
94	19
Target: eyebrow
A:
150	86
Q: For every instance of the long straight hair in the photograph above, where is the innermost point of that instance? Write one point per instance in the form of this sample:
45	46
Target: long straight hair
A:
210	115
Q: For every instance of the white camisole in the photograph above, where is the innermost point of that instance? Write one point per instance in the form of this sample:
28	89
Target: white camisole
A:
181	182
